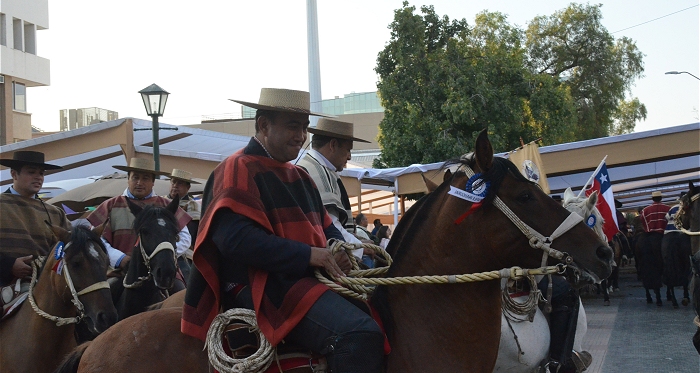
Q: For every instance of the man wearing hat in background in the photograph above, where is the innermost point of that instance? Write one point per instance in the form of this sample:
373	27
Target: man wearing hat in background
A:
330	152
648	247
180	183
263	232
23	235
654	215
118	234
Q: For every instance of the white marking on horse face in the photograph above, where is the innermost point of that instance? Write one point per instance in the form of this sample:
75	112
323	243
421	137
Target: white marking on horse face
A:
95	254
161	222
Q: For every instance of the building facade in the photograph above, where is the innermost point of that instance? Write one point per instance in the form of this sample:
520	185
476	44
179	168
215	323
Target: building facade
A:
20	67
72	119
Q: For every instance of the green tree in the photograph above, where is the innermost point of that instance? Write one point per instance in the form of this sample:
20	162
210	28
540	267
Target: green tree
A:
442	82
572	45
627	114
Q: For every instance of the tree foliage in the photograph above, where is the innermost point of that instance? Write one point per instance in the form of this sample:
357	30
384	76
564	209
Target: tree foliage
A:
442	81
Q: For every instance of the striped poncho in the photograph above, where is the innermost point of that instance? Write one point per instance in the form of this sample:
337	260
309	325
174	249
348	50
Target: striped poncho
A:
282	199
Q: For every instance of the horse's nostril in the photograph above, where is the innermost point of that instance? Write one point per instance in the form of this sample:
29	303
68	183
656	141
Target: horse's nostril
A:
105	320
604	252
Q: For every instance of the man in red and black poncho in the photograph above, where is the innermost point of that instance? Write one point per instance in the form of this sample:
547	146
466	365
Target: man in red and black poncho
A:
263	231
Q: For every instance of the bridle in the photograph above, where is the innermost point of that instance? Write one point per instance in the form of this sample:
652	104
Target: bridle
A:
536	239
147	261
681	211
60	249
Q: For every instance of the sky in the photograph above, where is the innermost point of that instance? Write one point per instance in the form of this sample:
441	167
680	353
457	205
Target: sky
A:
209	51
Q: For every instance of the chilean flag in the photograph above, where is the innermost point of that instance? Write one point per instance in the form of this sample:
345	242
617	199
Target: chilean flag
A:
606	201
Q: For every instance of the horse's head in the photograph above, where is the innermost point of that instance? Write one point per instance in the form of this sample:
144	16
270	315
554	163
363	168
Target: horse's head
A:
586	208
487	214
157	231
83	271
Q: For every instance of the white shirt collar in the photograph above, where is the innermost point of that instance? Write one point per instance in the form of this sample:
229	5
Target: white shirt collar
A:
13	191
322	158
127	193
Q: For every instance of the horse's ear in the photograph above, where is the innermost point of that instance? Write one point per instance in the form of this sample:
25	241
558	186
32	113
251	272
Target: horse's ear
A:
428	183
174	204
692	190
568	195
483	151
62	234
134	208
98	230
592	200
447	176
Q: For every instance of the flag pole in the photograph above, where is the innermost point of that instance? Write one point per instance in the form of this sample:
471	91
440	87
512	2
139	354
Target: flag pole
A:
592	176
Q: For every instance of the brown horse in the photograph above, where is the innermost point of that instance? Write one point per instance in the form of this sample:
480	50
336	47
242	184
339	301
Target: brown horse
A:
432	328
31	340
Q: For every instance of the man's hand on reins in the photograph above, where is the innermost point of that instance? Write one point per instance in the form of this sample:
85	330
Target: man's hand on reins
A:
22	267
322	257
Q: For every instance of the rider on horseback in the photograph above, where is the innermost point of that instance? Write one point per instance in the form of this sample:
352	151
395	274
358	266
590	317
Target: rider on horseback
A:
263	230
22	235
118	237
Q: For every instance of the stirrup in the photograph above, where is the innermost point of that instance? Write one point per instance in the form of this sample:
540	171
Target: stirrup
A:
581	359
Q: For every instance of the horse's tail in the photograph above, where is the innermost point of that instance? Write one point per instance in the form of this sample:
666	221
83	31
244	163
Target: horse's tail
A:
71	361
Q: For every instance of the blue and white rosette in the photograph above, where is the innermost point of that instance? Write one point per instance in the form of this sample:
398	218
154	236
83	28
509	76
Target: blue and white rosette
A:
591	220
59	252
475	190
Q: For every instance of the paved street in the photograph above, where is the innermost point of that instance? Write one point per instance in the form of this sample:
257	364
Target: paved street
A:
633	336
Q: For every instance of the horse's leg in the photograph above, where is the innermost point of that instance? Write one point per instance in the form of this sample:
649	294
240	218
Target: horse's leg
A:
686	295
669	289
649	300
672	293
615	278
606	294
696	340
657	292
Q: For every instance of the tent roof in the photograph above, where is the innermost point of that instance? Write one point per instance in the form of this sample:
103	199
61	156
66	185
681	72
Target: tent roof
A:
638	163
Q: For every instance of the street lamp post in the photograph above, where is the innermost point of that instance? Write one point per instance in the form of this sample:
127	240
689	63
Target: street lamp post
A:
681	72
154	99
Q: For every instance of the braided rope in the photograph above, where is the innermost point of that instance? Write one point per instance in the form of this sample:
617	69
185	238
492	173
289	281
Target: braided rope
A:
255	363
360	288
513	308
60	321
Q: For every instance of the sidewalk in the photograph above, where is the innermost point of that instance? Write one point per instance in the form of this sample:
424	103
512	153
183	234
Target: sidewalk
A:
633	336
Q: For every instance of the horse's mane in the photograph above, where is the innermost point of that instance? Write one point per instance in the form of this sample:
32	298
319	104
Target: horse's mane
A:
80	236
418	214
152	213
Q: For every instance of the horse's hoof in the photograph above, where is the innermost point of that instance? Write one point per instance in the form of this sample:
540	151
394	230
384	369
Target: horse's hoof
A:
659	303
675	305
606	303
685	301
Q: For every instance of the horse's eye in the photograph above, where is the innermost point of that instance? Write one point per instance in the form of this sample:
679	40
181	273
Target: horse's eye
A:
524	197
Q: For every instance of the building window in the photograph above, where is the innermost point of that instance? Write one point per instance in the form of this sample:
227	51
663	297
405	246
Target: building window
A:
3	29
29	38
19	94
17	34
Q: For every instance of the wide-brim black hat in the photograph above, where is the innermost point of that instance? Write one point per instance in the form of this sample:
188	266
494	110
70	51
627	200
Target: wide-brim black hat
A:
28	157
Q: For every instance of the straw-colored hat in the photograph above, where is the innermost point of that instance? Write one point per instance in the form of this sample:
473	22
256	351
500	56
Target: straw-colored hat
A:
285	100
656	193
30	158
336	129
183	175
141	165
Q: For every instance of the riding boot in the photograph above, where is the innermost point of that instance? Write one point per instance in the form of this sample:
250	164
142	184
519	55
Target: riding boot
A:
355	352
563	321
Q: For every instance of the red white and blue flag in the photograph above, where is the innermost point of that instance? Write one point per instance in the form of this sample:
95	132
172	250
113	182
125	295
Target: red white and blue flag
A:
606	201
